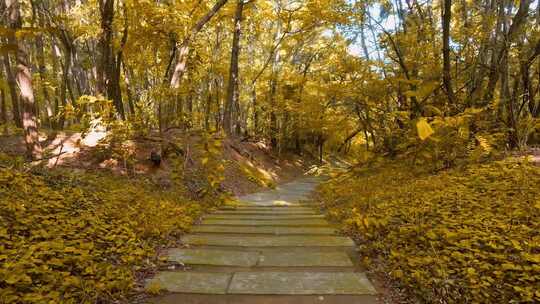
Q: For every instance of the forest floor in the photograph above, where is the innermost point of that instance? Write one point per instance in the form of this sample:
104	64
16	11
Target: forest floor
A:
86	225
92	222
462	234
249	166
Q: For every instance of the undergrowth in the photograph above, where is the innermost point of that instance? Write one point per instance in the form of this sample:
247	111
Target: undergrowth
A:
68	237
465	235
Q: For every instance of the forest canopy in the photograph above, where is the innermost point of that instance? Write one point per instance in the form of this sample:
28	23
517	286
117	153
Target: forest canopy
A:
300	74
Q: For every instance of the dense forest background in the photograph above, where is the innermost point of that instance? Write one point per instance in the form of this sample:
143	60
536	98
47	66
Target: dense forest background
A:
280	70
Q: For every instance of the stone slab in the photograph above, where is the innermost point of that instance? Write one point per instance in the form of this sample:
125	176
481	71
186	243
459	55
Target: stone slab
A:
263	230
187	298
268	241
192	282
301	283
274	202
265	212
294	222
271	208
213	257
305	259
262	217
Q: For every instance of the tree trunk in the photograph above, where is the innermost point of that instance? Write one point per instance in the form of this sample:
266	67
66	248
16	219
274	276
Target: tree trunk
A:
12	84
447	78
273	90
108	68
363	35
182	55
65	86
3	109
43	78
129	92
501	52
479	69
230	116
38	14
24	81
208	104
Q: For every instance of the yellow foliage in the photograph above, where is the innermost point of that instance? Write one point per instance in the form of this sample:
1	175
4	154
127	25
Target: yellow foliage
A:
461	236
424	129
67	238
256	175
154	288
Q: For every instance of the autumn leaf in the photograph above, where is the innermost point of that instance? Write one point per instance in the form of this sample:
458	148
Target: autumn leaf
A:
424	129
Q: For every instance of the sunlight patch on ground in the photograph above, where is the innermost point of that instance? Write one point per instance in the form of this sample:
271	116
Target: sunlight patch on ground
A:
97	133
281	203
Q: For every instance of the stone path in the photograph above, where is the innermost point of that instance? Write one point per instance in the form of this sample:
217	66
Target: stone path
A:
270	249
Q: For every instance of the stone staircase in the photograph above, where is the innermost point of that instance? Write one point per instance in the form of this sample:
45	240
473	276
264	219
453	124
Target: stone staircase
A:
270	249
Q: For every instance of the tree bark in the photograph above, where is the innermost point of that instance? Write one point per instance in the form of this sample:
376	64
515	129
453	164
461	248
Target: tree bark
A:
12	85
40	54
108	68
230	116
501	52
3	109
447	78
24	81
183	53
479	69
129	92
273	90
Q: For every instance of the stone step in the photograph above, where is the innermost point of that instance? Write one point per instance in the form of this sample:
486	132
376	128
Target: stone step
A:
264	283
191	282
285	222
304	259
273	204
263	230
271	209
262	217
265	212
300	283
219	257
268	241
286	202
189	298
213	257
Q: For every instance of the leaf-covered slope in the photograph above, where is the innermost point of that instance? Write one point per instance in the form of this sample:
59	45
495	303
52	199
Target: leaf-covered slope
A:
461	236
80	239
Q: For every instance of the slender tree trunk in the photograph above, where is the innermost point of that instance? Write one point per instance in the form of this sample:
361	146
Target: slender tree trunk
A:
3	108
230	117
183	53
253	89
65	86
208	104
320	146
108	68
447	78
129	92
43	78
502	51
273	90
24	81
41	64
217	93
363	36
479	69
12	84
114	88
